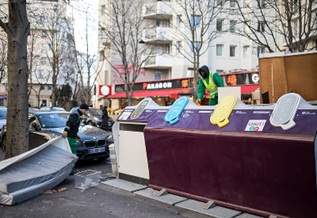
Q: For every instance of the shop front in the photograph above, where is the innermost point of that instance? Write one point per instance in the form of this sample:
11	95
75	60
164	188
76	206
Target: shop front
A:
165	92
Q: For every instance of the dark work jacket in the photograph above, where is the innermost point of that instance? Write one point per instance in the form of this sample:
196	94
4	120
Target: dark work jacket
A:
73	123
105	118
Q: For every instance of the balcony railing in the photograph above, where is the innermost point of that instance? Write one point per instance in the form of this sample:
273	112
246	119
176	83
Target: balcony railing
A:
163	34
162	61
158	10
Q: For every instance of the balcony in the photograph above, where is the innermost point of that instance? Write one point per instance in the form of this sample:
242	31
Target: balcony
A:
158	10
162	61
158	35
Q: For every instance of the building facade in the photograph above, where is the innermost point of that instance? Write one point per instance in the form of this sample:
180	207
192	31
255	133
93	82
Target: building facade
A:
48	49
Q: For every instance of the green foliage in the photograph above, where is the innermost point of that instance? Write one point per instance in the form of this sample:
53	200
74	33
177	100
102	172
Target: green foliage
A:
63	94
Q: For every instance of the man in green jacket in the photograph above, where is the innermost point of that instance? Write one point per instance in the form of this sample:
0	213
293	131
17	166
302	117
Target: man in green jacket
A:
72	127
211	82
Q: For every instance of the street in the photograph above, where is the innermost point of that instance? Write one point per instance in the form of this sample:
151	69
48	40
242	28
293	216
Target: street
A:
98	201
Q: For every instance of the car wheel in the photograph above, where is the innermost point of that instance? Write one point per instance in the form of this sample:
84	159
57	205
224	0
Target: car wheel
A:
90	123
4	143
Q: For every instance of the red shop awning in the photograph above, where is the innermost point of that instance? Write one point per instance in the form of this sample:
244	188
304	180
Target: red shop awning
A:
173	93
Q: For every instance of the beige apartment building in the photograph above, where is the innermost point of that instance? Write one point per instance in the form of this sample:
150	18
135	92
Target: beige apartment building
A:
46	39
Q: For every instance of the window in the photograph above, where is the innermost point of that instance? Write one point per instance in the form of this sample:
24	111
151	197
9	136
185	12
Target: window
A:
195	21
42	87
54	34
219	2
103	9
197	46
157	23
233	50
246	25
219	50
102	56
43	48
178	20
177	47
232	3
295	27
261	50
219	71
40	74
262	3
43	61
294	6
55	8
232	26
245	51
50	47
43	34
219	25
49	87
158	75
261	26
42	19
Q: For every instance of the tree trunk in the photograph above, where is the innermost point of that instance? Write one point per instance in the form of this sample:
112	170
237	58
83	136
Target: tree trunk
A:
17	114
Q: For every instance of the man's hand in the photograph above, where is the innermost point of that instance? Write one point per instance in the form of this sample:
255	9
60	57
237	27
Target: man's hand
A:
198	102
77	137
64	135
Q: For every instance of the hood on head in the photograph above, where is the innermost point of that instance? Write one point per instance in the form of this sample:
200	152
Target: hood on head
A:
206	69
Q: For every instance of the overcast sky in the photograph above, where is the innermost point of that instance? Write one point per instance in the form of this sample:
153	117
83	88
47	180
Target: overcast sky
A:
80	7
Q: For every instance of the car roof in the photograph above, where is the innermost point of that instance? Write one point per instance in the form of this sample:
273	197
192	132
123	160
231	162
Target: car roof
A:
48	112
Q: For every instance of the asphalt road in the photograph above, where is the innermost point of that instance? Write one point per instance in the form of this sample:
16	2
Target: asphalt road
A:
99	201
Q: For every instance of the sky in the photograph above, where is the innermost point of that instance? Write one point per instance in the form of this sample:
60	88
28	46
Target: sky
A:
80	7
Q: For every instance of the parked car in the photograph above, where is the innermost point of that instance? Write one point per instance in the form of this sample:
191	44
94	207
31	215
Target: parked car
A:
43	126
53	108
94	117
3	117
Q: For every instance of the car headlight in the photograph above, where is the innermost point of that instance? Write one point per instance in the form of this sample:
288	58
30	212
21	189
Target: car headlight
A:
110	139
80	144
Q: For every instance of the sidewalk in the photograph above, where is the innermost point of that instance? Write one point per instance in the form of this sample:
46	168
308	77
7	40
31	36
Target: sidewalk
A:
99	201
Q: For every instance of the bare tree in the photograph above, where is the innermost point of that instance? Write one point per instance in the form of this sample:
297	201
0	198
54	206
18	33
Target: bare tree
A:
17	29
3	59
85	75
123	30
279	25
33	59
196	27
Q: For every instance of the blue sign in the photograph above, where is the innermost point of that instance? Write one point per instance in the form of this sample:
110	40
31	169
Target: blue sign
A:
172	115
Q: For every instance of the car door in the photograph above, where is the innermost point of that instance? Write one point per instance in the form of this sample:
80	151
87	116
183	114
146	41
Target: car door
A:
33	136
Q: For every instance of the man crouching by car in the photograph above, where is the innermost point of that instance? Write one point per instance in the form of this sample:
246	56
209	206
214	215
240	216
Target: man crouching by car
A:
71	129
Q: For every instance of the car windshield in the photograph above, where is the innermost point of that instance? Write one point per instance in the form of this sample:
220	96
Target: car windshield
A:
95	112
53	120
3	114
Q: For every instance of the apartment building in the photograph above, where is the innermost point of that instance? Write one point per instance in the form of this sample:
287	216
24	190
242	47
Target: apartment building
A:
48	49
